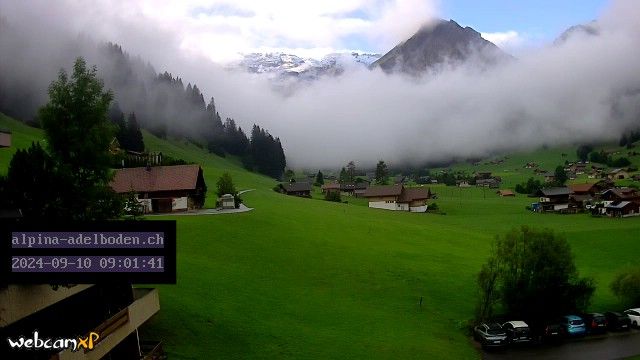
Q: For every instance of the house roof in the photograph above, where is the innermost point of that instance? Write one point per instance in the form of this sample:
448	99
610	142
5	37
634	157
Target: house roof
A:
555	191
488	181
615	171
578	188
354	186
157	178
618	205
386	190
331	186
623	193
412	194
549	174
581	197
297	186
506	193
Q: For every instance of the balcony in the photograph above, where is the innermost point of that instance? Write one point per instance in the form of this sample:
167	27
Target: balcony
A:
20	301
115	329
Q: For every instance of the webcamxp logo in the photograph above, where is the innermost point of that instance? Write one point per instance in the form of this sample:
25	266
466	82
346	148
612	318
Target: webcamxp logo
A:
37	343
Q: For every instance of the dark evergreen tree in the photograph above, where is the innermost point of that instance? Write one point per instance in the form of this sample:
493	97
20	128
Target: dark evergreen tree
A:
319	178
135	141
343	177
382	173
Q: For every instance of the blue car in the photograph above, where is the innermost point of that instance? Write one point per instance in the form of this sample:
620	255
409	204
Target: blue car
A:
573	325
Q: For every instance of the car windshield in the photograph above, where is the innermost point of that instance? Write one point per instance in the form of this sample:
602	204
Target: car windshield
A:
495	332
576	322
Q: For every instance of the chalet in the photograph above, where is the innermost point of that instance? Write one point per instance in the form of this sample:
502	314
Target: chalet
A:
163	188
463	183
5	138
330	187
623	209
353	189
621	194
578	168
549	177
554	199
618	174
493	183
584	189
505	193
582	195
296	189
397	197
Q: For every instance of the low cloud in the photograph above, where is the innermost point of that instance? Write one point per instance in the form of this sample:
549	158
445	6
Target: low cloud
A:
585	89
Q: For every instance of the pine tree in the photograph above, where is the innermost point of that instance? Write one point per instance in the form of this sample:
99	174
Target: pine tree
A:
382	173
135	141
319	178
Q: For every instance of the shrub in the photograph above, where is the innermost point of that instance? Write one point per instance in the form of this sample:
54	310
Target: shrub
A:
332	196
626	285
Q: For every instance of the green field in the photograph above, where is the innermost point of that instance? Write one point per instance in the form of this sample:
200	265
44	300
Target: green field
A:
306	278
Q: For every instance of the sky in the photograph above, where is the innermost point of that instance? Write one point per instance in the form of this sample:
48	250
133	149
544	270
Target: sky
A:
515	25
222	29
316	28
582	90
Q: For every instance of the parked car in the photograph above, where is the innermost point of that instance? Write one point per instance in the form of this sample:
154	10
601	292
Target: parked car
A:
490	335
517	331
573	325
634	316
553	332
617	321
595	323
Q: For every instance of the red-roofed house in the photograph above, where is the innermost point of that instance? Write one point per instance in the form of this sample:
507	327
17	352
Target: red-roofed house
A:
397	197
163	188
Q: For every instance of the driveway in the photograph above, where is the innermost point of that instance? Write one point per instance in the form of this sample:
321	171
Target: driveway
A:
218	211
617	345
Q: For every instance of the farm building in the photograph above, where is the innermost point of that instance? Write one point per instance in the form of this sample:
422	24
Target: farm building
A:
505	193
493	183
623	209
549	177
296	189
397	197
163	188
618	174
5	138
554	199
621	194
330	188
353	189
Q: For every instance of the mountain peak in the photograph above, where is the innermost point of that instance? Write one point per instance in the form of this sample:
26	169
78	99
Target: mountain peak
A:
437	44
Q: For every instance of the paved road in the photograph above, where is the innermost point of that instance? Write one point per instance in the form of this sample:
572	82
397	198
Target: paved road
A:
610	346
217	211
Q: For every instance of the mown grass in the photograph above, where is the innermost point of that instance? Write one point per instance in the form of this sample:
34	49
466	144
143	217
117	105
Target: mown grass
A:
307	278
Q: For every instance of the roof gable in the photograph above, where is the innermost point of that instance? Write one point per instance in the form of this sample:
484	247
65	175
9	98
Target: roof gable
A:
385	190
157	178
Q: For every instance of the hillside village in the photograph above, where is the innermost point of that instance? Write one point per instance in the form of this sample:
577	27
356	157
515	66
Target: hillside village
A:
586	187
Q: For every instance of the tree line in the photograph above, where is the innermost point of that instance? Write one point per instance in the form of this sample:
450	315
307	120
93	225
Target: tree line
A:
159	103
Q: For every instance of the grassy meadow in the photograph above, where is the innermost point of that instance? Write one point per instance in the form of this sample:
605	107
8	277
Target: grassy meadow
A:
306	278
